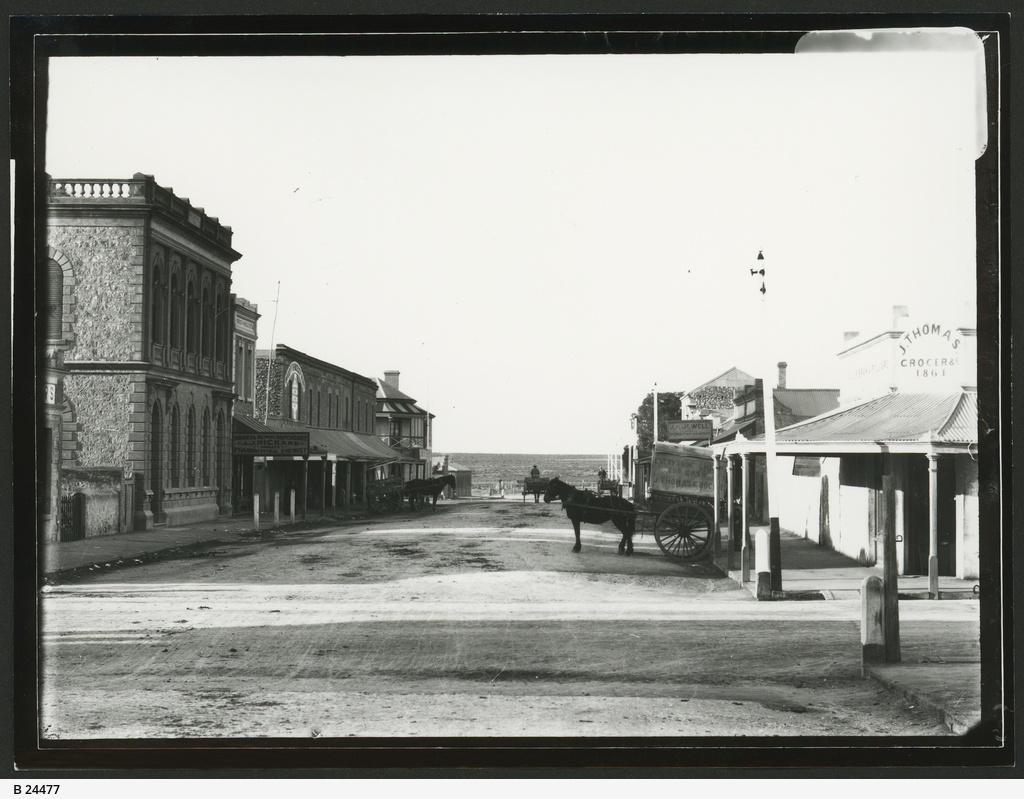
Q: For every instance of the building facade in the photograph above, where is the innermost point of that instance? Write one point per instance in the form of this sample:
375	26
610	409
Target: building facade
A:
405	427
911	414
301	398
244	337
139	351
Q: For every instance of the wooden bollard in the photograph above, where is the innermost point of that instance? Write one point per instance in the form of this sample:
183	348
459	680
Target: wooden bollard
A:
256	511
775	553
291	505
872	636
277	507
762	562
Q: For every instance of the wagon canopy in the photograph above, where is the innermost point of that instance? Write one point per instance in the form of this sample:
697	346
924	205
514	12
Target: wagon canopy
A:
683	470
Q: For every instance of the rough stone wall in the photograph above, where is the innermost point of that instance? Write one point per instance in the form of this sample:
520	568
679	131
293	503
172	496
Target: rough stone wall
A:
108	311
102	416
276	387
713	397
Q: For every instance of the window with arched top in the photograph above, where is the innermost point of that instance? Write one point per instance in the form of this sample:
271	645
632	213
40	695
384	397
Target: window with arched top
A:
157	306
295	401
54	301
220	328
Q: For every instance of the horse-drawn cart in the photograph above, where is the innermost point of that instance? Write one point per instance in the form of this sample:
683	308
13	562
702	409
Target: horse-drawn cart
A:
385	494
681	502
536	486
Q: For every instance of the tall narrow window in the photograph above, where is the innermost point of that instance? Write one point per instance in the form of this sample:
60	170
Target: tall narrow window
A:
240	370
174	339
175	448
191	317
206	334
220	453
55	301
221	326
190	447
206	453
294	405
319	397
157	306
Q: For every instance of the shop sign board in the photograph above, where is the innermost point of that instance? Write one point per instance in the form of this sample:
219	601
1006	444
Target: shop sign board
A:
689	429
271	444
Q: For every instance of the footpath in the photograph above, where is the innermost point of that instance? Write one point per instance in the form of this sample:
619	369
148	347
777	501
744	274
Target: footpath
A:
939	671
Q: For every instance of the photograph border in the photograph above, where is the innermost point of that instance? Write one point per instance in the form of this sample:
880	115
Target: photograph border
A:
36	39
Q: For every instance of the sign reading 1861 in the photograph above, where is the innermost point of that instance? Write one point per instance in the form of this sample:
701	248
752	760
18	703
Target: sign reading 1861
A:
271	444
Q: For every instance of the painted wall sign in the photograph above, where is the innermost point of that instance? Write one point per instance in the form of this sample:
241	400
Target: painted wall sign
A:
270	444
929	350
688	429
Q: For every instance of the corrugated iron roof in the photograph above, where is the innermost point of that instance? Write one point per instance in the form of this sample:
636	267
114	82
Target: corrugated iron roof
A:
807	401
892	417
252	424
962	424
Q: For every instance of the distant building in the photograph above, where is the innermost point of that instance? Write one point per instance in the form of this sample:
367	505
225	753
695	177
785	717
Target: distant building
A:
463	476
314	432
138	384
246	318
405	427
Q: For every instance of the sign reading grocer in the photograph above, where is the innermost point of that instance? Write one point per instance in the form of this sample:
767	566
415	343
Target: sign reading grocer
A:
929	350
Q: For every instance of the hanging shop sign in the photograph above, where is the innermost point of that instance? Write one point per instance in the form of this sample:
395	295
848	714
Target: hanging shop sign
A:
688	429
271	444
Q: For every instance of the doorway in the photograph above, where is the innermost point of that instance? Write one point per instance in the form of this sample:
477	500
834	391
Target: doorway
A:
917	511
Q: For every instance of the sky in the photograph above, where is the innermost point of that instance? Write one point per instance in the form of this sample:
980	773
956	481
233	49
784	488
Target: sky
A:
534	241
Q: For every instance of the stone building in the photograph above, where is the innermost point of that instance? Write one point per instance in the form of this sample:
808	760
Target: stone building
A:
138	385
317	435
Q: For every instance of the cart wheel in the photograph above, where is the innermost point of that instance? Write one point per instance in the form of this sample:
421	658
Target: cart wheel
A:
683	530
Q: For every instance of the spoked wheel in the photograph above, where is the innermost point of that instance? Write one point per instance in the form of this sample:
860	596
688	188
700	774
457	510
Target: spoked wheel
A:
683	531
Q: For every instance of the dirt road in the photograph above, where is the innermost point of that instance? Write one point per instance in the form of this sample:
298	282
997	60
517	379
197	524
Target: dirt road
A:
474	620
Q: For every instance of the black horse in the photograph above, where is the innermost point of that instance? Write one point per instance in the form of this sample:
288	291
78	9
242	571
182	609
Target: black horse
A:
586	506
419	491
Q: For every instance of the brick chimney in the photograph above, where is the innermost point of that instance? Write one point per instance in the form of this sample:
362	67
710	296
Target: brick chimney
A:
391	378
782	374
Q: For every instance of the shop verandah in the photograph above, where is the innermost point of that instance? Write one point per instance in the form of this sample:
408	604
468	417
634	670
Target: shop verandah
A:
830	472
322	470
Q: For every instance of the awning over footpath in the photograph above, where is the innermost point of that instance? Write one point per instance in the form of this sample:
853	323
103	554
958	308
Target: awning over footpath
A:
895	422
250	425
343	445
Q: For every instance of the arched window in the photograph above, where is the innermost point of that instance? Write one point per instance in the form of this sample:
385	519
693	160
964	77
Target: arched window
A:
55	301
175	447
157	301
294	400
206	453
191	316
190	447
175	339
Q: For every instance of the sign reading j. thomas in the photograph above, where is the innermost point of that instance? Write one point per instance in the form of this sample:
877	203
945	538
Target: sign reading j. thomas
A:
271	444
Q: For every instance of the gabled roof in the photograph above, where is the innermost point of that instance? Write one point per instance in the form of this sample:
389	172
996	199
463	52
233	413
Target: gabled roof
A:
734	374
387	391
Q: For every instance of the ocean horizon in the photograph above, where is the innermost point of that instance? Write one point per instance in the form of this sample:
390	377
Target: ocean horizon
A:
488	468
